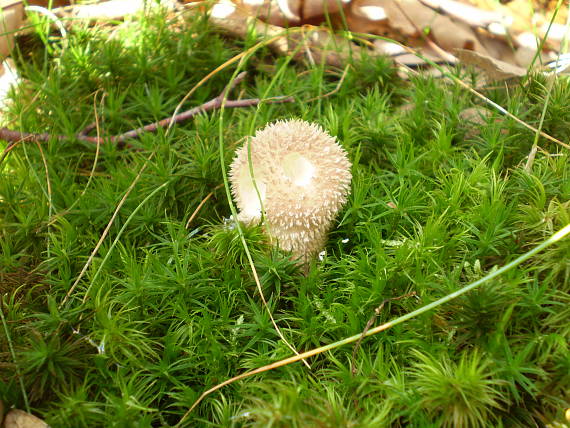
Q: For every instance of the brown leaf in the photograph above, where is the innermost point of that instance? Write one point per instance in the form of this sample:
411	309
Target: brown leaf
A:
20	419
281	13
468	14
455	35
286	12
310	43
108	10
314	9
494	69
497	48
410	18
369	16
10	21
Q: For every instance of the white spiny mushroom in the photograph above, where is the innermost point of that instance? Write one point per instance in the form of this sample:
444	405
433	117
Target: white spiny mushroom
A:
303	177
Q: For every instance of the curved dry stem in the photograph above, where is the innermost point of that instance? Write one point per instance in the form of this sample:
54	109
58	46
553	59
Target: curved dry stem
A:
478	94
201	204
335	90
95	162
50	203
295	358
106	231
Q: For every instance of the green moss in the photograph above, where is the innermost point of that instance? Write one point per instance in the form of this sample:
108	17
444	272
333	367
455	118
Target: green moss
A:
172	311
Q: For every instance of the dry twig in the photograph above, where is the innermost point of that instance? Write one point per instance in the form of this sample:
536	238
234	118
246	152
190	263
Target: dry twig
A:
210	105
16	137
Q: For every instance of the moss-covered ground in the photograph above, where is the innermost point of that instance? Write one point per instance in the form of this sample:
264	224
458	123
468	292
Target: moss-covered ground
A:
164	311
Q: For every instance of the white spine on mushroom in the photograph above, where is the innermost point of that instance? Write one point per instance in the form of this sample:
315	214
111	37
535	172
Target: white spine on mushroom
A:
303	178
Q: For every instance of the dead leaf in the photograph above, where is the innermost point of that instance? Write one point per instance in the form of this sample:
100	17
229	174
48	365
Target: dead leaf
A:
436	28
271	11
286	12
369	16
409	16
468	14
20	419
451	35
315	9
10	21
497	48
494	69
412	20
309	43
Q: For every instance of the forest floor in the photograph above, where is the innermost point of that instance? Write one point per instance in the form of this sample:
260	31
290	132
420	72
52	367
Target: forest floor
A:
119	311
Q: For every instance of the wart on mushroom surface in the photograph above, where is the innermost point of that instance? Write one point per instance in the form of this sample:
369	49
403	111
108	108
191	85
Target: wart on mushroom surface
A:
303	177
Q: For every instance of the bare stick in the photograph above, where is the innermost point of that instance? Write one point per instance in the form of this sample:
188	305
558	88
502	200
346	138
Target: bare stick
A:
16	137
88	129
207	106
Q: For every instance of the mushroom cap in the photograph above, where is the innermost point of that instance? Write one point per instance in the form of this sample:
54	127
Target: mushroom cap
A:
303	178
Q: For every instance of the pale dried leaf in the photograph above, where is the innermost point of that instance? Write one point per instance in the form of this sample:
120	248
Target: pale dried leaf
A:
451	35
291	9
285	12
368	17
469	14
313	9
556	33
409	16
272	11
110	10
20	419
494	69
314	44
10	21
497	48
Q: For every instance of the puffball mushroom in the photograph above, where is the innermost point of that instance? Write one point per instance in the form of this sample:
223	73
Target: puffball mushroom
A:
303	178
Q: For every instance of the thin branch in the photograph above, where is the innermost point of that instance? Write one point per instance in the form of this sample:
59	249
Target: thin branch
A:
88	129
207	106
16	137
